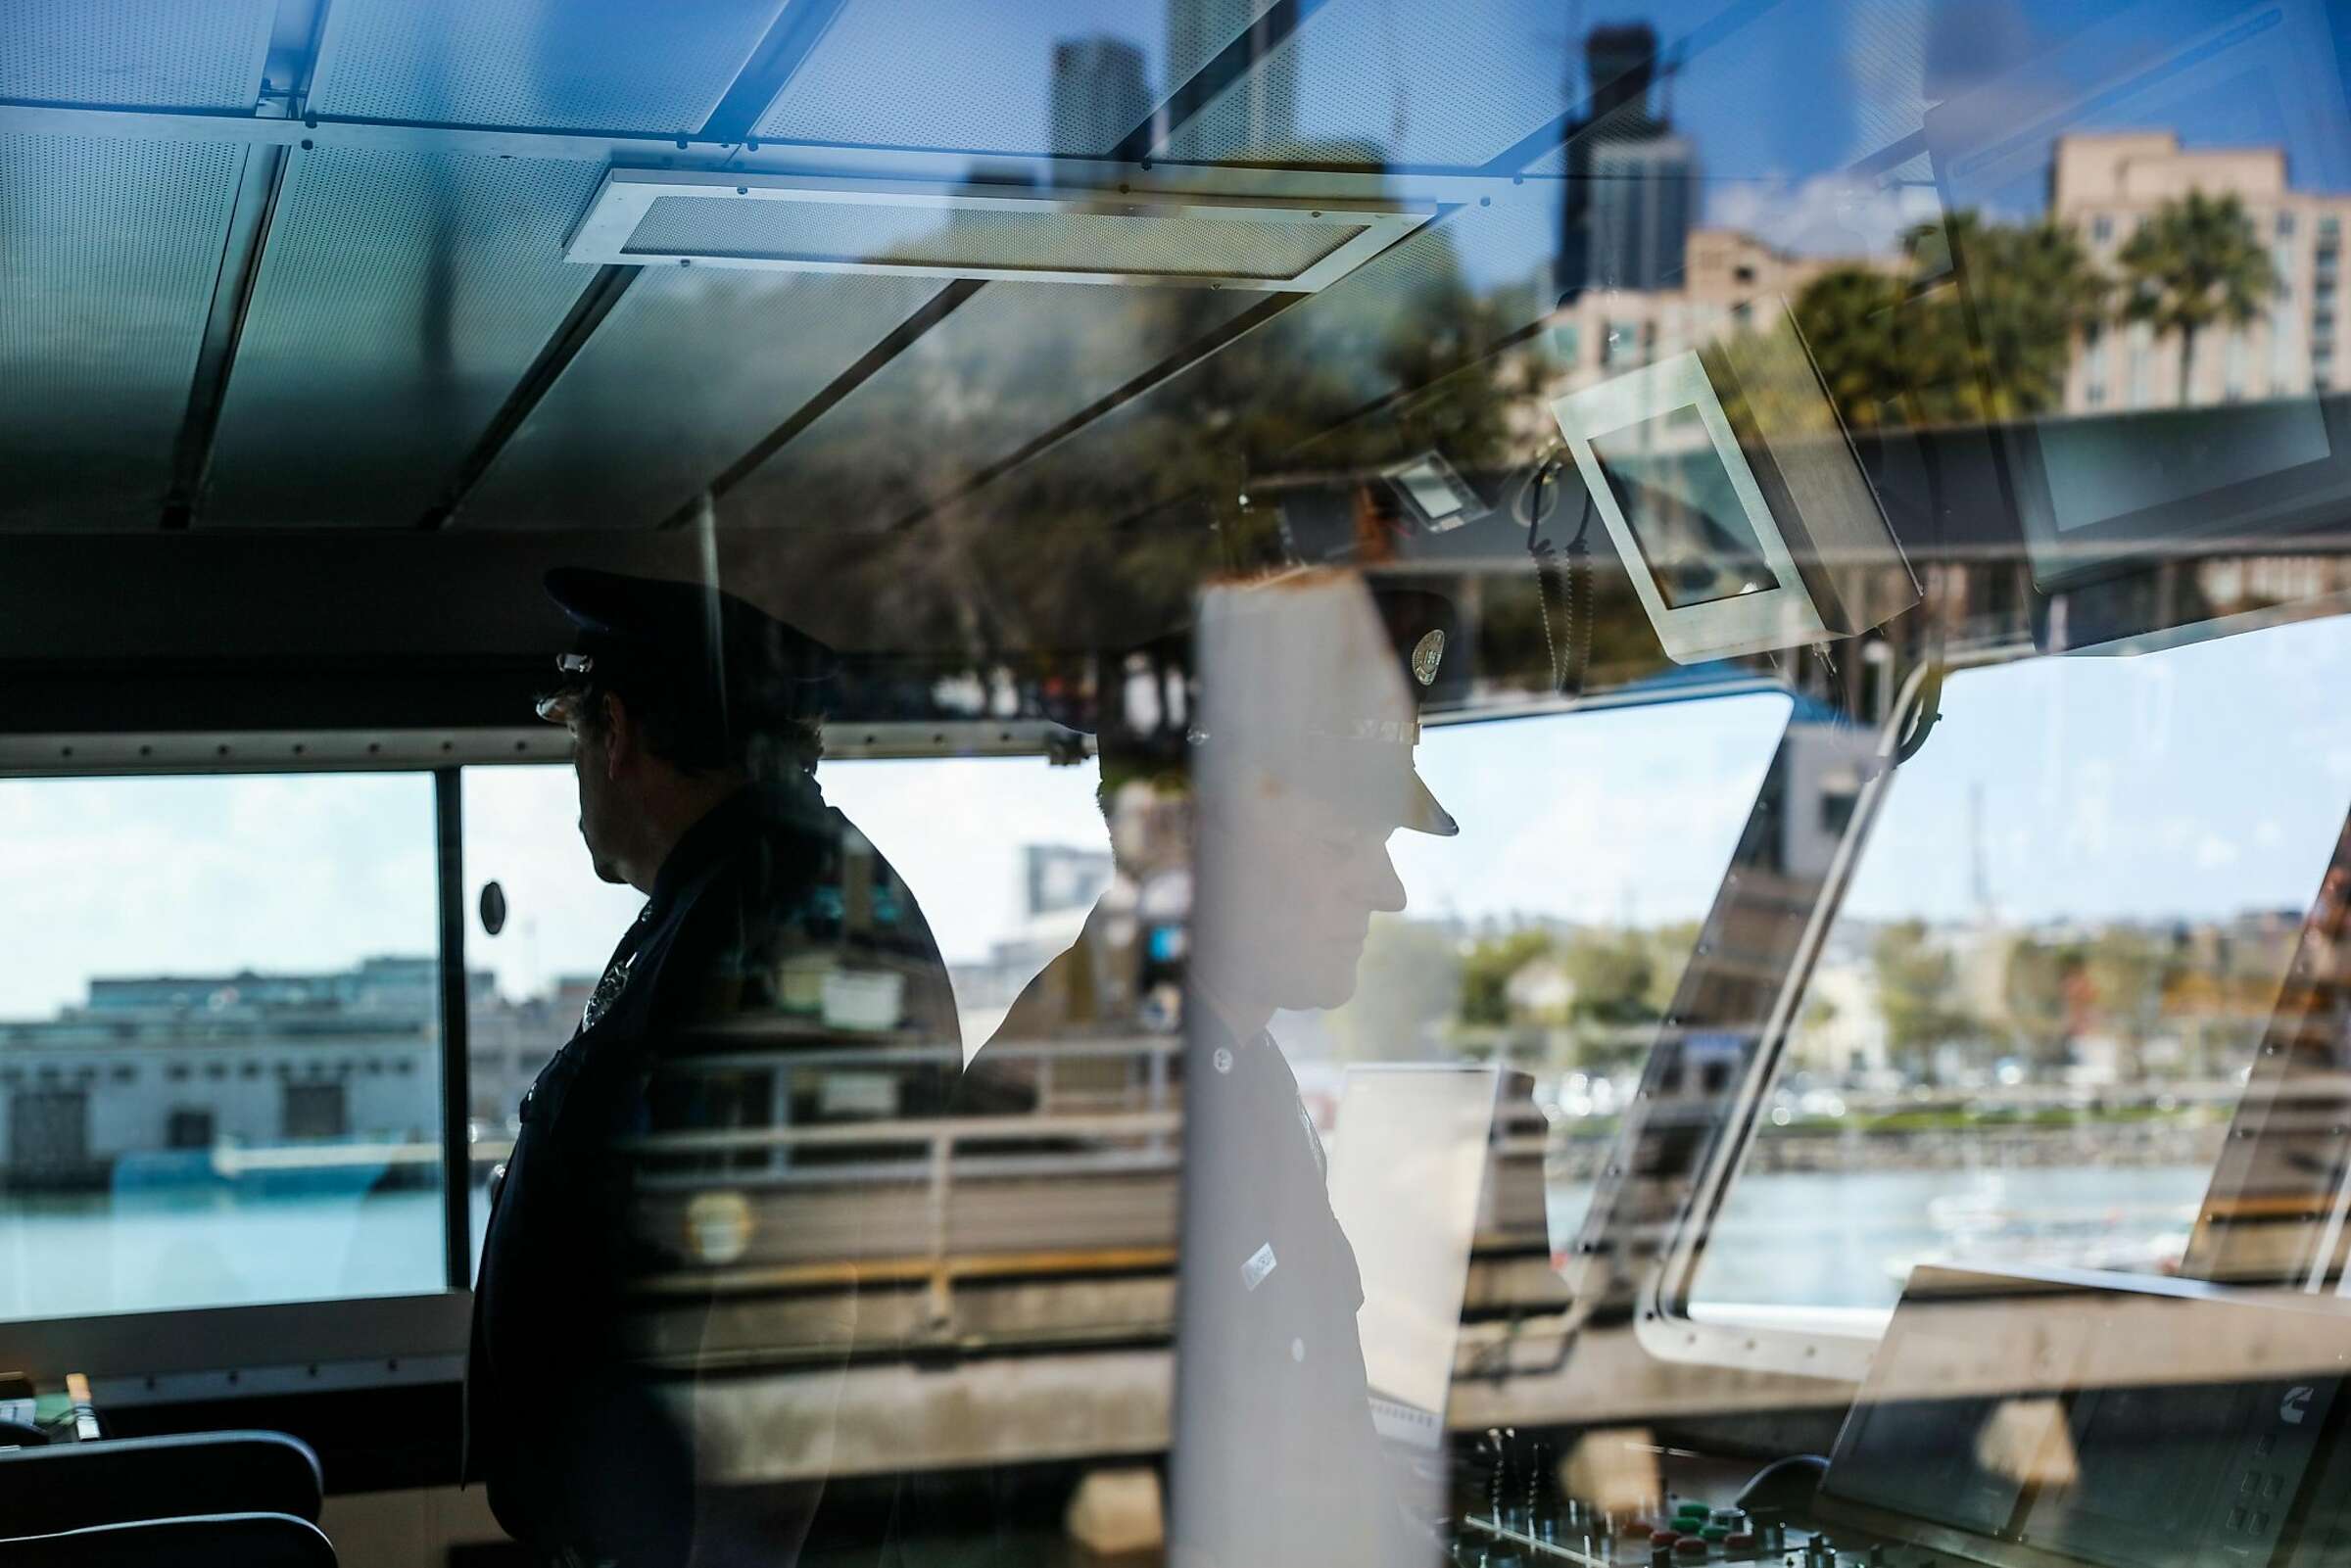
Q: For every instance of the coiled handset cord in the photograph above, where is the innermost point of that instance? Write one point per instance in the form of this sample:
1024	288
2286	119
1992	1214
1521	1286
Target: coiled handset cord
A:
1563	578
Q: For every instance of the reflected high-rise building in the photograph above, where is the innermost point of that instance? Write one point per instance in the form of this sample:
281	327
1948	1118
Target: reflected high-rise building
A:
1099	94
1632	183
1198	31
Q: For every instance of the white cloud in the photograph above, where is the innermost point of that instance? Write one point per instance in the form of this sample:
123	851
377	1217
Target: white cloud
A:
1826	214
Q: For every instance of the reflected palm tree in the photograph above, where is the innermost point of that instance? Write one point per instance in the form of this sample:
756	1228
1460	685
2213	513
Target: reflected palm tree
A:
2196	263
1979	324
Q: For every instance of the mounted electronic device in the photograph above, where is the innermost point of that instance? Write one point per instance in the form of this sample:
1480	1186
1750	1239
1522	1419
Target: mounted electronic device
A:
1730	489
1433	494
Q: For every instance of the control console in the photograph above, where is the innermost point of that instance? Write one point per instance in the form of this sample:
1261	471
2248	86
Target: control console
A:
2059	1418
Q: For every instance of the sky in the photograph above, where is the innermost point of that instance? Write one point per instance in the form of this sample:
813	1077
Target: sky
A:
2192	784
2200	781
1778	101
1778	97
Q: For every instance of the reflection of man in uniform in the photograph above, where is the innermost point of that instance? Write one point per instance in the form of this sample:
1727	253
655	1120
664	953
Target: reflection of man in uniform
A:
1310	693
693	725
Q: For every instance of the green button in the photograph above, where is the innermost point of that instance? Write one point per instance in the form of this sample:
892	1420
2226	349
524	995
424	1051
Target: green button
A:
1714	1533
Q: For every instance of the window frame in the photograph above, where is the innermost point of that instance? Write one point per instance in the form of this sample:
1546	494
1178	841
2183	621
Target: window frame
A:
1817	1345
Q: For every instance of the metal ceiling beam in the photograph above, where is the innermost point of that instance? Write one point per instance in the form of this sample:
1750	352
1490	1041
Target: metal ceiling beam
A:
1227	65
793	38
247	234
1166	370
1448	187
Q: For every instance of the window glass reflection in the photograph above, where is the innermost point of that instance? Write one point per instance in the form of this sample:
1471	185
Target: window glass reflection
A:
1550	935
1006	855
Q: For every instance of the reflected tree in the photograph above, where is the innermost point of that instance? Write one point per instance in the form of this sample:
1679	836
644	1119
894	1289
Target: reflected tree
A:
1918	992
2196	263
1977	325
1487	969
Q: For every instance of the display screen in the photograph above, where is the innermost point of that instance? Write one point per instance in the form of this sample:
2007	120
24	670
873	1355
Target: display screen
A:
1428	487
2100	469
1682	508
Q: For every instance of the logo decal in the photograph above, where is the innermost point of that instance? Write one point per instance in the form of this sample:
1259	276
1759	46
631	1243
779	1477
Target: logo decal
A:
1427	654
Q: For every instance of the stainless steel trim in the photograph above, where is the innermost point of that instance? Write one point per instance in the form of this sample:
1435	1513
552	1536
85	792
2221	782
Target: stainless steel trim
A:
372	750
264	751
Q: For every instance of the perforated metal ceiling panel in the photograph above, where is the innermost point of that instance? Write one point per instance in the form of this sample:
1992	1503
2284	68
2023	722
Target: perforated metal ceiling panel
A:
1378	81
556	65
104	280
987	78
690	371
1015	361
142	54
400	297
1170	245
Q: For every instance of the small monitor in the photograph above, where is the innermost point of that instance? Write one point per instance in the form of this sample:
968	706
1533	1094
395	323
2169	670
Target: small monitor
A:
1680	501
1434	496
1735	500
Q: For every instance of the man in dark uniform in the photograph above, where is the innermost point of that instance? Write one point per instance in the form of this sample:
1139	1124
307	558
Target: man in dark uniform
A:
1298	768
694	720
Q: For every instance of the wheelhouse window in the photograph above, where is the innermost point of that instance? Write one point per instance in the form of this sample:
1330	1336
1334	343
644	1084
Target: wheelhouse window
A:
197	967
2026	1029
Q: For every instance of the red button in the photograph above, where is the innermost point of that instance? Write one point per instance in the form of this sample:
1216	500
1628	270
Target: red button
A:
1690	1547
1740	1541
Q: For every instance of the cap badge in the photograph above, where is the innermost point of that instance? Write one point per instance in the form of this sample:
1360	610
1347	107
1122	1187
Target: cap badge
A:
1427	654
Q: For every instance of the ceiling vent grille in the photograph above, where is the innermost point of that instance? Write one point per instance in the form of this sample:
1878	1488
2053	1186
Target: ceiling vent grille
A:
826	224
